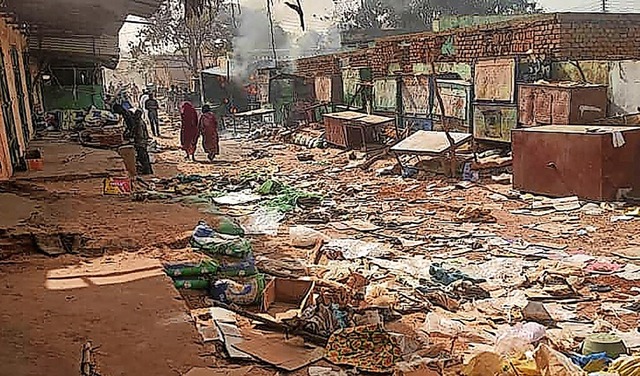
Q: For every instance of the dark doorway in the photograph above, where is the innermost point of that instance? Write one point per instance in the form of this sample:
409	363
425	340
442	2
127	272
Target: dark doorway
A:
7	114
22	107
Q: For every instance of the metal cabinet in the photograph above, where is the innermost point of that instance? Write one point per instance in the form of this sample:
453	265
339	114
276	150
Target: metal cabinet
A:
568	160
545	104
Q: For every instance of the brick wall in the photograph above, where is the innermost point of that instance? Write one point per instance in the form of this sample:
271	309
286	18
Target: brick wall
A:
323	65
558	36
601	37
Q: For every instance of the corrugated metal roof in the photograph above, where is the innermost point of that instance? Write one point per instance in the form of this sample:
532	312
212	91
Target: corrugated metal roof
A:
103	45
84	17
88	28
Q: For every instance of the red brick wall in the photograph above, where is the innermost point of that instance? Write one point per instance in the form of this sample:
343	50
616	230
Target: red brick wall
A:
323	65
559	36
602	37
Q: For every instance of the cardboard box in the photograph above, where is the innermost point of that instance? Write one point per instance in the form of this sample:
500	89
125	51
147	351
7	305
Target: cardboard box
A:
287	298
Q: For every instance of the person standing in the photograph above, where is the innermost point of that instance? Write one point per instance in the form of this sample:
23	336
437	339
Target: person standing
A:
172	99
189	132
127	118
143	100
140	142
209	130
153	107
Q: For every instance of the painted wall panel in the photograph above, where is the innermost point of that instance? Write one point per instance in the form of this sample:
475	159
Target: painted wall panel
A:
456	100
384	94
533	69
350	80
494	80
262	83
415	95
494	122
323	88
625	87
462	69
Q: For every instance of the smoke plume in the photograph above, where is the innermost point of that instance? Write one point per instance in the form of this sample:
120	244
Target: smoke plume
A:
252	42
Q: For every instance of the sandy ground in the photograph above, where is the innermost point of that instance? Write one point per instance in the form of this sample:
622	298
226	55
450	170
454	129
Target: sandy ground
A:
114	296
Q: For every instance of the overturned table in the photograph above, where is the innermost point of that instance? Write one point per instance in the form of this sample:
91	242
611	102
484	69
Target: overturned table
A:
429	143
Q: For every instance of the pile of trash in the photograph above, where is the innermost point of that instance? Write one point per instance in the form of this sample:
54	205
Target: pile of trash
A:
100	118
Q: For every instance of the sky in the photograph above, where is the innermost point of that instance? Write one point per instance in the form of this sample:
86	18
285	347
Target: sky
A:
288	19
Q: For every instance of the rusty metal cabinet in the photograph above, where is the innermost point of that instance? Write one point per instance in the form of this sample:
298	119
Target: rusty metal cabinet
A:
545	104
568	160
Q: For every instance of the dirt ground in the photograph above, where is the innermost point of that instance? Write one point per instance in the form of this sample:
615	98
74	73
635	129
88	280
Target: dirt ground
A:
114	293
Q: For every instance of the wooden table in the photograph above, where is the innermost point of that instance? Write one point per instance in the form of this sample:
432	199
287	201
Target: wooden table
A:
342	128
429	143
250	115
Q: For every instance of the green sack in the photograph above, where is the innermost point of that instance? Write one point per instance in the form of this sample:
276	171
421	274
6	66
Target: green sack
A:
230	227
270	187
191	284
203	268
229	266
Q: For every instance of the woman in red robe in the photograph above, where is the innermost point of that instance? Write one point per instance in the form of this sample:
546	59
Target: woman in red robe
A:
209	130
189	132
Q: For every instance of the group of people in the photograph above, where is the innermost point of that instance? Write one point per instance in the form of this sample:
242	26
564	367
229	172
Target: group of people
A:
192	128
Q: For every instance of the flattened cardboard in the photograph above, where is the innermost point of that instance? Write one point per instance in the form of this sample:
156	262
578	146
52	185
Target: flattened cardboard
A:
281	354
219	371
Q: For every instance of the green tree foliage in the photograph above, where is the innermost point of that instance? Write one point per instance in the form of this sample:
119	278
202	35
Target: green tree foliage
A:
416	15
194	33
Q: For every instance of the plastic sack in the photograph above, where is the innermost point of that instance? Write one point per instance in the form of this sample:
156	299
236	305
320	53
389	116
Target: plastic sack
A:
205	239
191	284
228	226
519	338
242	292
229	266
491	364
263	222
484	364
191	269
436	324
303	236
216	246
626	366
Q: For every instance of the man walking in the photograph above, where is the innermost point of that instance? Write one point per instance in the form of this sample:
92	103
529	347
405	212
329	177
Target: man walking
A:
153	107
